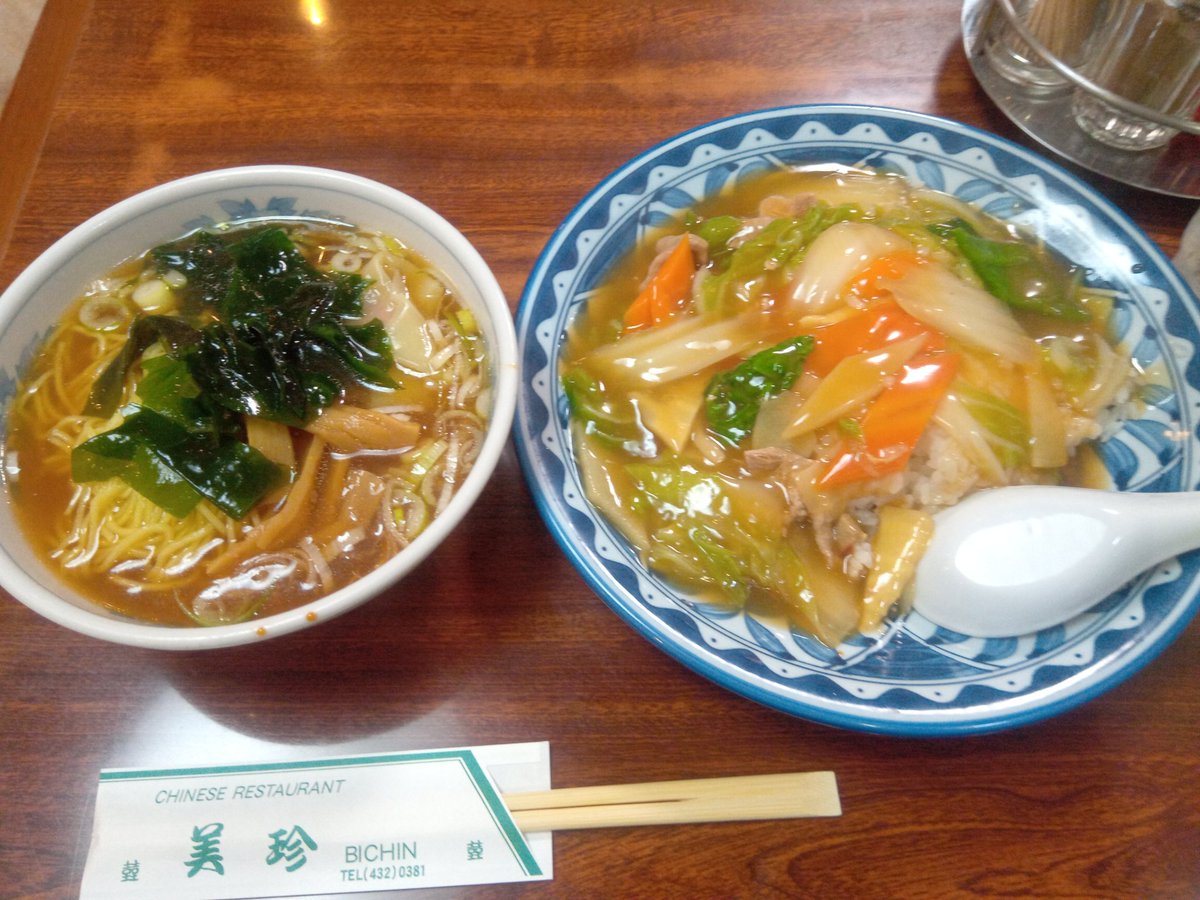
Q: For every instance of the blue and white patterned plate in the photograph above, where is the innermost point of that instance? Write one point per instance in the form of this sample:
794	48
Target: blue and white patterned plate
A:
919	679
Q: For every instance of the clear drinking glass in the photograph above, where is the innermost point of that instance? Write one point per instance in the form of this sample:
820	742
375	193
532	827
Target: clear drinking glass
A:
1148	52
1060	29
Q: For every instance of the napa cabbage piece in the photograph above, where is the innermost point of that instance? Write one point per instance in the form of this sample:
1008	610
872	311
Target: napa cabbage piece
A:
1004	427
1019	273
612	422
1047	423
867	191
716	232
834	258
1089	370
605	484
733	398
707	530
763	262
972	438
675	350
963	311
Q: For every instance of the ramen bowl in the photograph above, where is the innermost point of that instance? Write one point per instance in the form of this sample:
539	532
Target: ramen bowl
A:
30	307
915	678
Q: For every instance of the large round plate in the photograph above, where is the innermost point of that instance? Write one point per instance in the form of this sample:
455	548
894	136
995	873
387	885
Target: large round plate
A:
918	679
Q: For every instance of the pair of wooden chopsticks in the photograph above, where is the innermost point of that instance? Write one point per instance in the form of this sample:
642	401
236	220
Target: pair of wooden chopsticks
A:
739	798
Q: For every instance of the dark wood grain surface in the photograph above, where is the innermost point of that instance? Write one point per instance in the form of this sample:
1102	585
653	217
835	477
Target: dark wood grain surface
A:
502	115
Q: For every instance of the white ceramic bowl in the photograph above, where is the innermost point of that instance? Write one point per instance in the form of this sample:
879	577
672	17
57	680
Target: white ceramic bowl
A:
33	302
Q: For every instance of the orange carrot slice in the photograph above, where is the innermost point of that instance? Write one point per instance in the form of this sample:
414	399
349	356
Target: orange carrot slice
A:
895	421
873	328
667	292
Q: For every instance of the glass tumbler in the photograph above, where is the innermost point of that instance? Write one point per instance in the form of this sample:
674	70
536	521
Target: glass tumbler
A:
1147	52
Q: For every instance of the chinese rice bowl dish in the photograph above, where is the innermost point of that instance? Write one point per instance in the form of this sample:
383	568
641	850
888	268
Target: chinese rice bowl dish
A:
771	399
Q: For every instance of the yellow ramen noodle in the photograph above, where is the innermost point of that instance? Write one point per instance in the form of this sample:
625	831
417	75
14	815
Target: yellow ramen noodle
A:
347	406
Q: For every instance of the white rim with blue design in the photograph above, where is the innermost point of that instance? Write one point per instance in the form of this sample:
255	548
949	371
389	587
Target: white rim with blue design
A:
919	679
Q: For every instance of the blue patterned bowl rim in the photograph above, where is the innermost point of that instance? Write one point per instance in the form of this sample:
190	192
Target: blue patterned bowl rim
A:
918	680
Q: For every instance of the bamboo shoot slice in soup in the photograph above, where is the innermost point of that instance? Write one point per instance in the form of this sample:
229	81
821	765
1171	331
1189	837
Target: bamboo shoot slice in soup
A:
845	355
246	419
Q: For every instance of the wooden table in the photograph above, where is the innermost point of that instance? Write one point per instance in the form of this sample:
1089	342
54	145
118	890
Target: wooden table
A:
502	115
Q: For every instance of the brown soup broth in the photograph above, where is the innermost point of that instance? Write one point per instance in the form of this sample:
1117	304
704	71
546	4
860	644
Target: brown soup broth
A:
364	504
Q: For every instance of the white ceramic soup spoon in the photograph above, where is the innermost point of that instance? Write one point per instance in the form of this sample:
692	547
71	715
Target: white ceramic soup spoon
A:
1018	559
1014	560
